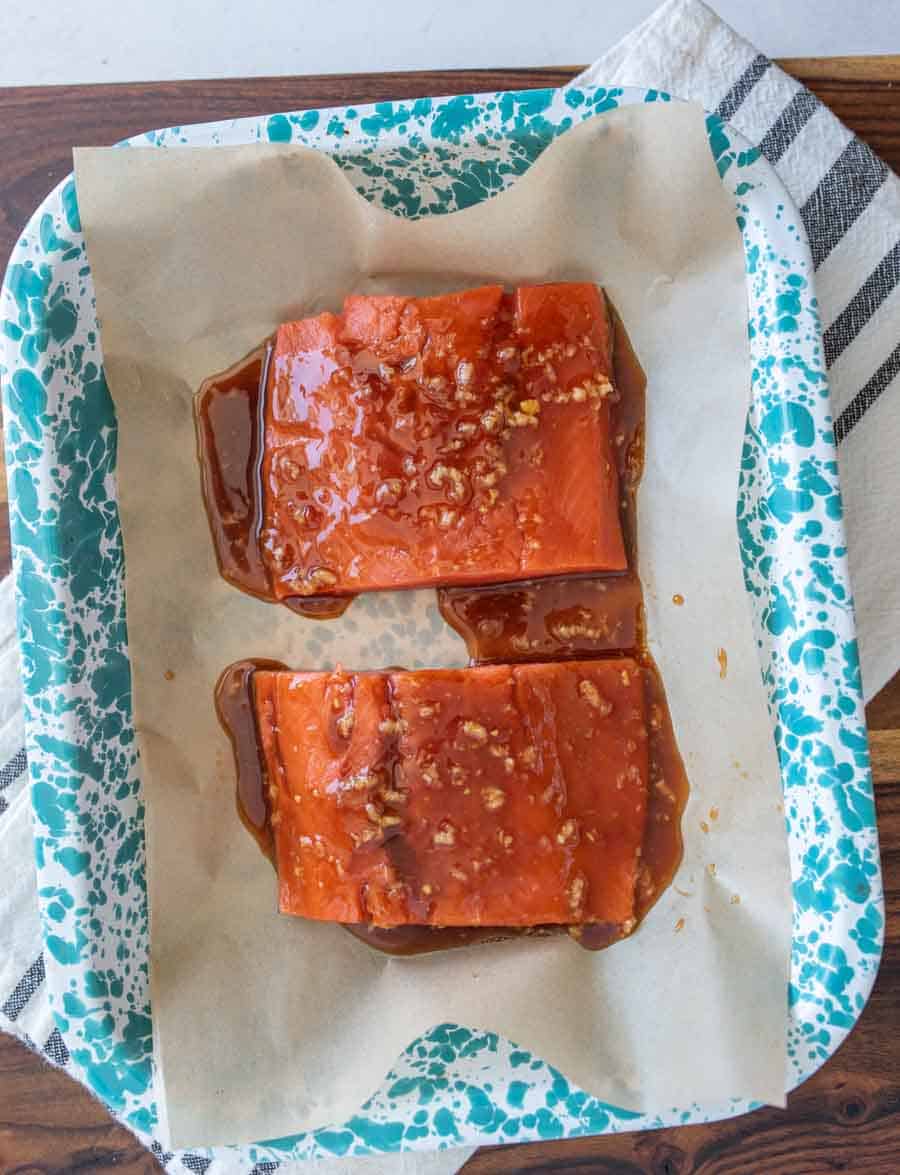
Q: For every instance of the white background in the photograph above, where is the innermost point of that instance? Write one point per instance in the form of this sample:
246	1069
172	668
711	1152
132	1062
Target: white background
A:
48	41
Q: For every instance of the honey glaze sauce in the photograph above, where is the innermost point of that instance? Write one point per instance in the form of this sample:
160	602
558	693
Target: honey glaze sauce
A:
423	940
229	415
234	707
573	617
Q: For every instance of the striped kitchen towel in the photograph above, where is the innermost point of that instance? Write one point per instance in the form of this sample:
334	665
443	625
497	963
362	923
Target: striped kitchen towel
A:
849	202
850	205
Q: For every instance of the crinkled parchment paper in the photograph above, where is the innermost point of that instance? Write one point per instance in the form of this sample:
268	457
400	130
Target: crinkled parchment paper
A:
267	1025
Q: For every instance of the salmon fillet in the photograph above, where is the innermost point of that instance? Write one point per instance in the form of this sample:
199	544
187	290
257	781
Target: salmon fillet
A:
448	440
510	795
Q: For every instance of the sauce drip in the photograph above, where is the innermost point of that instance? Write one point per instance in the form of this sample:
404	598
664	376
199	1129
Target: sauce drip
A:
423	940
667	796
547	619
234	707
319	607
228	414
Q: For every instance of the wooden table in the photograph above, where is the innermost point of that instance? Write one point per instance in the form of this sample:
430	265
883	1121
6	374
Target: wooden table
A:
846	1117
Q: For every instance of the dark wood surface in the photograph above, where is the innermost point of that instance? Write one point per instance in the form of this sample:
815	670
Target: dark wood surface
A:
846	1117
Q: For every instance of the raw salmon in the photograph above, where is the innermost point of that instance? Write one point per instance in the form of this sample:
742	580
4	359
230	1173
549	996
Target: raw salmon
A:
510	795
457	439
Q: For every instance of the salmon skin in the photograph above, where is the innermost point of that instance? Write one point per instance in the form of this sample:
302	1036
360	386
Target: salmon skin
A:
505	796
457	439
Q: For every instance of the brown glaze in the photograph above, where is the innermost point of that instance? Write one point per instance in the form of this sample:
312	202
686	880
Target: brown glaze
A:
228	415
562	618
666	798
588	616
545	620
423	940
234	707
319	607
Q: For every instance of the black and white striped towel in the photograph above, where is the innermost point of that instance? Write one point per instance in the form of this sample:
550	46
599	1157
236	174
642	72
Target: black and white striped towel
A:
850	205
849	201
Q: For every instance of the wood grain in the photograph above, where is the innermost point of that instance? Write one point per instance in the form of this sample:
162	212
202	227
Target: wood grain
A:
869	72
49	1124
39	125
846	1117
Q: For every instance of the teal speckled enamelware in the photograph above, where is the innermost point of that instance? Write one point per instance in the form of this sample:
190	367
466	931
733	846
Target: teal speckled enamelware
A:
418	158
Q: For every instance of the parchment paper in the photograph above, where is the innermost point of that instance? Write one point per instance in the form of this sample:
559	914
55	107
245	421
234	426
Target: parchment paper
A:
267	1025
